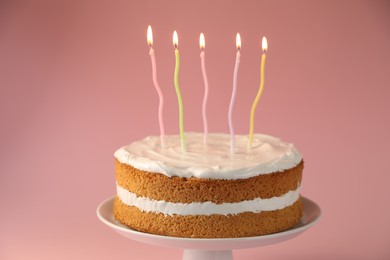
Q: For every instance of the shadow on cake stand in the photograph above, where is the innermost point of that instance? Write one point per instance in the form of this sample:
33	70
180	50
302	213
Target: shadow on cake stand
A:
210	248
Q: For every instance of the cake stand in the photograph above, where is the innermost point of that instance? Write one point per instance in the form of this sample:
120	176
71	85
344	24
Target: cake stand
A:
210	248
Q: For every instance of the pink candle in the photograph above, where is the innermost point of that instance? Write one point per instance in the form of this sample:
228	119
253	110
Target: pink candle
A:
156	85
238	55
206	86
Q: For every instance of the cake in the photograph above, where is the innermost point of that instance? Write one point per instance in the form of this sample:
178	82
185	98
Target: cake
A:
206	191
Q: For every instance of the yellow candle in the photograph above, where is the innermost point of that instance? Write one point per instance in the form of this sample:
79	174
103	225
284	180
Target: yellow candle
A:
178	92
262	68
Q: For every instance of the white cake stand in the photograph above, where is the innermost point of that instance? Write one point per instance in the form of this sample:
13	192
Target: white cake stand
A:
210	248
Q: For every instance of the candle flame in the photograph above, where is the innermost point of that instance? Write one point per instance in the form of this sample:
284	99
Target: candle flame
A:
175	39
238	41
202	42
150	36
264	44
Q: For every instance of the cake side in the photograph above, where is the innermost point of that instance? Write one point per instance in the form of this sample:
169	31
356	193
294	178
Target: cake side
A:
245	224
186	190
207	192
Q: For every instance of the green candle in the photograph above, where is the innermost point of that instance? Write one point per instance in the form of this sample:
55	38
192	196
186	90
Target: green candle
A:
178	92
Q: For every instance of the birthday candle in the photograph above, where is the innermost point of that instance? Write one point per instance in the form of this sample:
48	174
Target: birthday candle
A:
238	55
156	85
178	92
206	86
262	68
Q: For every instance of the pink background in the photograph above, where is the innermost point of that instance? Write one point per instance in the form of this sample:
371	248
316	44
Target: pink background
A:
75	81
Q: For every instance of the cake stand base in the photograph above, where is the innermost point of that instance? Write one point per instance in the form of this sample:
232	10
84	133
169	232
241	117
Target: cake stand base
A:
191	254
210	248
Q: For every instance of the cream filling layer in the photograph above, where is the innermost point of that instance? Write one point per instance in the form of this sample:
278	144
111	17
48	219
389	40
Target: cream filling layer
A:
207	208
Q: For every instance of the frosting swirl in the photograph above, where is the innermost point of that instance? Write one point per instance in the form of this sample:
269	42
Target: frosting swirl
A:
214	160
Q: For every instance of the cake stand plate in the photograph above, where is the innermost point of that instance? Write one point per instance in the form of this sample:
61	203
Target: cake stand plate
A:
210	248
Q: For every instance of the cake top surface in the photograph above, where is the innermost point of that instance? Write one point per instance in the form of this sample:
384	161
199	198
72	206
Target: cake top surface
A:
214	160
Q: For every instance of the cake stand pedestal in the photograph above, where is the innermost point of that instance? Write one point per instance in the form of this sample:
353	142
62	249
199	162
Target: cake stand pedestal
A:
210	248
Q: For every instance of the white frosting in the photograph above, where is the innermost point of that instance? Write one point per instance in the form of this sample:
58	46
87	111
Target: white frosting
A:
214	160
207	208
